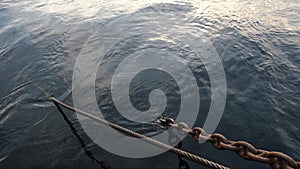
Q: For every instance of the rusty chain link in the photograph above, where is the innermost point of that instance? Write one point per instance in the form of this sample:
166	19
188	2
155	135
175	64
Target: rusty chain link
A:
177	151
276	160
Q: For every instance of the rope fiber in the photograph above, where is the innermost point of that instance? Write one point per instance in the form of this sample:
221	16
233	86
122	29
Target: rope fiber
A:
174	150
277	160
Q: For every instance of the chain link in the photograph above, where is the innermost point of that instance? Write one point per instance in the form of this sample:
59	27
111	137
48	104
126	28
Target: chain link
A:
179	152
245	150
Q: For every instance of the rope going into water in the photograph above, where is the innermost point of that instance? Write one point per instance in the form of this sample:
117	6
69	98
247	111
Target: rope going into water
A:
86	149
174	150
276	160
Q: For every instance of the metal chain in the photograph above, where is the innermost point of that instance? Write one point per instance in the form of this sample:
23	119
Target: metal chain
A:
177	151
276	160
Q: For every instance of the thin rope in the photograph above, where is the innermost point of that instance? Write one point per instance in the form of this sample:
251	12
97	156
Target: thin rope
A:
80	140
177	151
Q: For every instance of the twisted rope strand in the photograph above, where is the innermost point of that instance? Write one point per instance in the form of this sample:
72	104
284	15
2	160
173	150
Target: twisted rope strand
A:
276	160
177	151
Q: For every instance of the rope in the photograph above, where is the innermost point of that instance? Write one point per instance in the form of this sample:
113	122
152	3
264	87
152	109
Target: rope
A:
80	140
276	160
177	151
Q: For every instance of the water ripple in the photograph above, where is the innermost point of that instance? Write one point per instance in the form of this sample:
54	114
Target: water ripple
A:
258	42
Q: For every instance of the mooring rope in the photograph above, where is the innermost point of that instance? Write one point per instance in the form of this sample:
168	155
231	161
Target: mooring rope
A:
276	160
80	140
174	150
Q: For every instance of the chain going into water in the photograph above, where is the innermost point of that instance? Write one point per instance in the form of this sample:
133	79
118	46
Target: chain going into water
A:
177	151
276	160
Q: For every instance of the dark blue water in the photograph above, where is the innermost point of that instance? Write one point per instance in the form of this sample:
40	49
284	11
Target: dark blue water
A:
258	43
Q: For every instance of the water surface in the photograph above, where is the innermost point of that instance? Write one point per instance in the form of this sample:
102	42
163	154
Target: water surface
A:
257	41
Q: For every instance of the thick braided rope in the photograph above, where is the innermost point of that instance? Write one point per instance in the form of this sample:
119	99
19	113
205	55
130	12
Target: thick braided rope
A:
177	151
